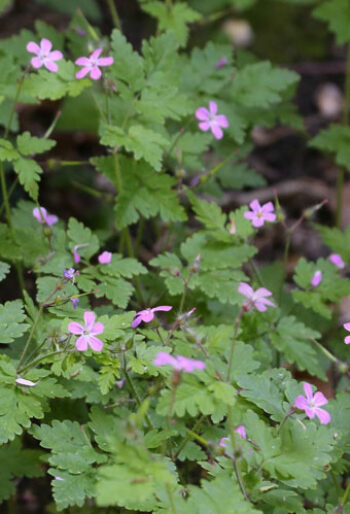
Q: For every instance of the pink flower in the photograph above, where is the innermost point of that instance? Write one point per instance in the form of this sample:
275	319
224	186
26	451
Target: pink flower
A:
311	404
76	255
105	258
179	363
256	298
224	441
148	314
87	333
91	65
25	382
241	431
336	259
211	120
223	61
347	327
316	279
40	214
44	56
260	213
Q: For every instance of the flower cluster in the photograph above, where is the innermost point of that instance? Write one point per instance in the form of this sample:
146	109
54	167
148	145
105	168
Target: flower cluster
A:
48	58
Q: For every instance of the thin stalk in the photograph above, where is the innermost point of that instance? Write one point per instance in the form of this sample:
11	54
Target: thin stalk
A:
114	13
346	495
340	176
39	359
234	460
18	92
188	437
171	499
137	397
31	334
9	194
233	345
5	197
139	235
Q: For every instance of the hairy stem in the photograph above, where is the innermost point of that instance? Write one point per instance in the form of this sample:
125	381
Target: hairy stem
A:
136	396
234	460
114	13
233	344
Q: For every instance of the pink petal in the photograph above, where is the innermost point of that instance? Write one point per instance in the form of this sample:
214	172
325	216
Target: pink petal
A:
98	328
95	73
223	61
347	340
33	48
204	125
36	62
262	292
75	328
269	216
51	219
323	416
347	326
95	343
56	55
202	114
300	402
76	257
308	391
249	215
82	343
260	306
89	318
41	215
255	206
216	131
268	207
105	258
222	120
25	382
95	54
162	308
164	359
316	279
310	412
320	399
189	365
241	431
336	259
82	61
105	61
223	442
81	73
146	315
213	107
136	321
258	222
51	66
45	45
246	290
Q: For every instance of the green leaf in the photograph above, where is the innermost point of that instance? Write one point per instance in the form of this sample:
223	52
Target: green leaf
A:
294	340
336	140
28	172
144	143
337	14
261	85
7	151
117	290
71	489
79	234
29	145
11	321
190	399
4	270
174	19
208	213
220	284
337	240
123	267
128	65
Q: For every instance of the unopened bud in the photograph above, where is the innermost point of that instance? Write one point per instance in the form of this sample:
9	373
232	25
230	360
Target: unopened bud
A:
180	173
311	211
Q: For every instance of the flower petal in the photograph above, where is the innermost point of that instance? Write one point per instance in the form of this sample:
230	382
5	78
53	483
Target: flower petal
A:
75	328
36	62
95	73
347	340
95	54
204	125
82	343
164	359
300	402
262	292
50	65
162	308
82	73
89	318
51	219
222	121
202	114
56	55
213	107
216	131
346	325
255	205
320	399
82	61
323	416
268	207
45	46
33	48
136	321
98	328
308	391
246	290
95	343
105	61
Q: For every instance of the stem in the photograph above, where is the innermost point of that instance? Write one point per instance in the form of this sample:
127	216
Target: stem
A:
346	495
5	197
171	499
137	397
188	437
234	460
18	91
233	345
139	235
39	359
340	176
31	334
114	14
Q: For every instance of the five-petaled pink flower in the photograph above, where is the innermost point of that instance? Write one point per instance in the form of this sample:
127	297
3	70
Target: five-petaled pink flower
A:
90	65
260	213
87	333
312	403
148	314
316	278
347	327
336	259
256	298
210	120
179	363
44	56
40	214
104	258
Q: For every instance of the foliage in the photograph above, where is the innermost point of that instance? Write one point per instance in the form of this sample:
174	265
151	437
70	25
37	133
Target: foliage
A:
147	363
